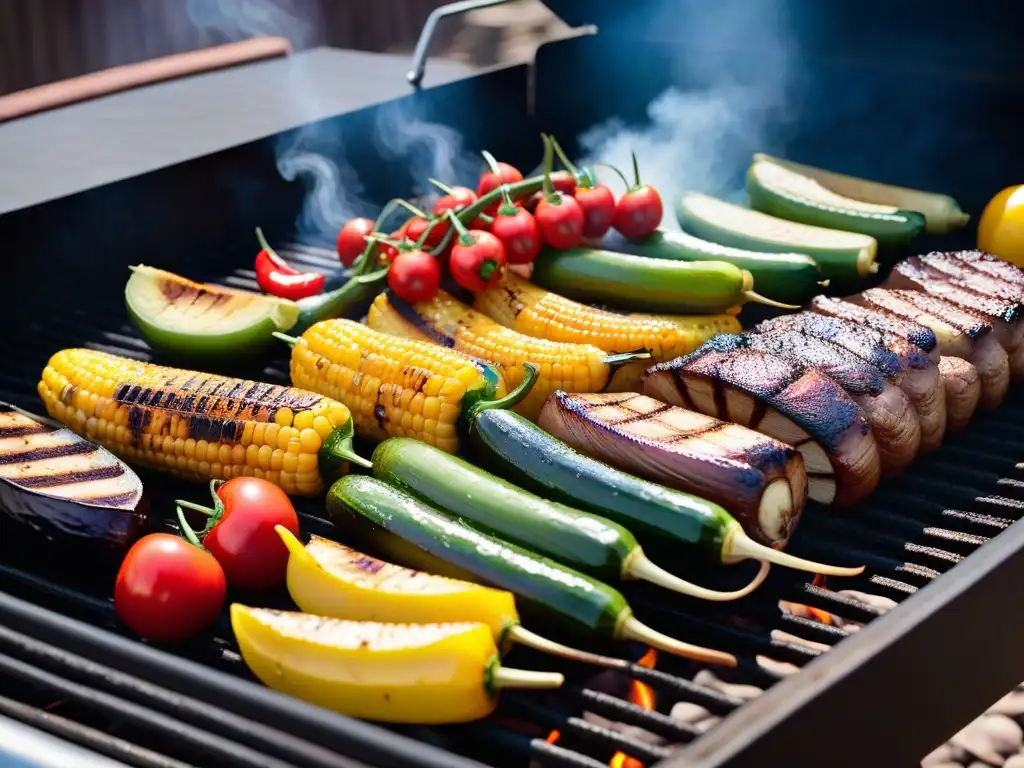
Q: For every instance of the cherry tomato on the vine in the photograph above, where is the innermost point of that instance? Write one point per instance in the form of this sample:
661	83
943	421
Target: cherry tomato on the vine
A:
479	264
560	220
460	197
598	204
416	226
519	233
352	240
490	181
638	212
563	182
168	589
414	276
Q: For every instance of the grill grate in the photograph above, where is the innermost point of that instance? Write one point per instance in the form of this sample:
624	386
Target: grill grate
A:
908	533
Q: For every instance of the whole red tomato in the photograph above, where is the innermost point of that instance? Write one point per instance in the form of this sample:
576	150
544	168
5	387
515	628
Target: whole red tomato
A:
598	204
477	263
352	240
414	276
244	540
560	219
638	212
519	233
168	589
459	197
490	181
563	182
416	226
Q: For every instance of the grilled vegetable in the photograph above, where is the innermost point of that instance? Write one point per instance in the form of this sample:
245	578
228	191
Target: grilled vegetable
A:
778	398
787	277
416	535
184	318
512	445
991	265
915	348
450	323
963	390
276	277
56	486
839	255
395	673
959	333
889	413
522	306
783	192
198	426
759	480
942	213
394	386
330	579
638	282
580	540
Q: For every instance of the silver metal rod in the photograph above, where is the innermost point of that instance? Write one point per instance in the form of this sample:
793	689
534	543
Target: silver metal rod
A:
419	56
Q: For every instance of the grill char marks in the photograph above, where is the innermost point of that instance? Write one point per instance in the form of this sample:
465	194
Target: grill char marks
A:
408	312
761	481
801	407
959	333
987	264
865	343
889	413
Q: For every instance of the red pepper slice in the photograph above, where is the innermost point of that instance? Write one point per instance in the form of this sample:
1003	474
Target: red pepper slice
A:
278	279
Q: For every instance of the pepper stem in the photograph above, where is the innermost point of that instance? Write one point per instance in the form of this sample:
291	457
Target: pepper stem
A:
637	566
464	237
263	242
442	186
739	546
499	677
530	373
759	299
186	529
426	233
517	633
618	173
508	208
630	628
625	358
563	157
636	169
336	450
411	208
549	161
291	341
196	507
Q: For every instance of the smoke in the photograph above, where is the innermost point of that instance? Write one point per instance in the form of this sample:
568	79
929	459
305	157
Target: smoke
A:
235	20
702	138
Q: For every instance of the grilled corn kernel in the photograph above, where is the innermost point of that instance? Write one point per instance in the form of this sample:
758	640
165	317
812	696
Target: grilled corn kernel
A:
194	425
522	306
394	386
446	321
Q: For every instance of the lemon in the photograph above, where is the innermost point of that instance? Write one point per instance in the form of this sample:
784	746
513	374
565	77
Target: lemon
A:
1001	227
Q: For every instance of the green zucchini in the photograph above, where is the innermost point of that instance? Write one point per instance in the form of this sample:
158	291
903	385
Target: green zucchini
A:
416	535
941	212
580	540
522	452
645	284
779	191
790	277
839	255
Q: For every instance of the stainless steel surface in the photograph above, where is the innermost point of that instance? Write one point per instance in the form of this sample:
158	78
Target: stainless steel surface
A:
24	747
419	56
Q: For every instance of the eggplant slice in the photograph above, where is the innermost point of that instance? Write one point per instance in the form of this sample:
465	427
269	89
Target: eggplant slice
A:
960	334
889	412
759	480
779	398
59	486
963	389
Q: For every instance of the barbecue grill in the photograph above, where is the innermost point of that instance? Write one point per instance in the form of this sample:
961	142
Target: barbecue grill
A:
879	96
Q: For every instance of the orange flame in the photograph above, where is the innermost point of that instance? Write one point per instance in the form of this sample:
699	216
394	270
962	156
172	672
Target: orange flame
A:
822	616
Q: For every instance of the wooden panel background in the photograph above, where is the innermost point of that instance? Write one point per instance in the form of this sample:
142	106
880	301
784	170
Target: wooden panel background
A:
46	40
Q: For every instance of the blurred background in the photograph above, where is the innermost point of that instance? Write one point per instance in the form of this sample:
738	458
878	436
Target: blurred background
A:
42	41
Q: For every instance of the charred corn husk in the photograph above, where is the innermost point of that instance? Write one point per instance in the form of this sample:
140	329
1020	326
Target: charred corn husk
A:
199	426
397	673
534	311
395	387
448	322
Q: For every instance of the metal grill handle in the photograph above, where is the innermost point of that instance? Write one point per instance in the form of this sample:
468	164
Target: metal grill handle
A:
419	56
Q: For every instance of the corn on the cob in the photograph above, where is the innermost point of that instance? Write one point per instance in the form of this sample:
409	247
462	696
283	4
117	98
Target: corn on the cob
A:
199	426
529	309
394	386
446	321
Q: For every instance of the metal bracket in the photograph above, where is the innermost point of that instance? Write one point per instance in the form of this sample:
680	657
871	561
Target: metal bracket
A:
419	56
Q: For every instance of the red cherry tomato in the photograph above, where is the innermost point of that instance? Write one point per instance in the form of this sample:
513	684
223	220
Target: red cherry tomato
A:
168	589
490	181
479	265
598	204
414	276
530	203
416	226
638	212
563	182
519	234
352	240
244	541
460	197
560	222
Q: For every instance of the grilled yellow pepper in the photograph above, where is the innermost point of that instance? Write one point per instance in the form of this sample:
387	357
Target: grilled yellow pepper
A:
330	579
427	674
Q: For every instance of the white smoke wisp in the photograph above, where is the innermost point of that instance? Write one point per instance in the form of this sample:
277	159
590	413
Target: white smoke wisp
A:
237	20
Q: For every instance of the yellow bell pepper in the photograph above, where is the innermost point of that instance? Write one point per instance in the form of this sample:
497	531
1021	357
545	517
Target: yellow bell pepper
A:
428	674
1001	227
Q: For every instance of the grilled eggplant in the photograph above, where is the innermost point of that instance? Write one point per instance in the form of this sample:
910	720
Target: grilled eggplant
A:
960	334
963	388
759	480
888	411
58	488
917	348
779	398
